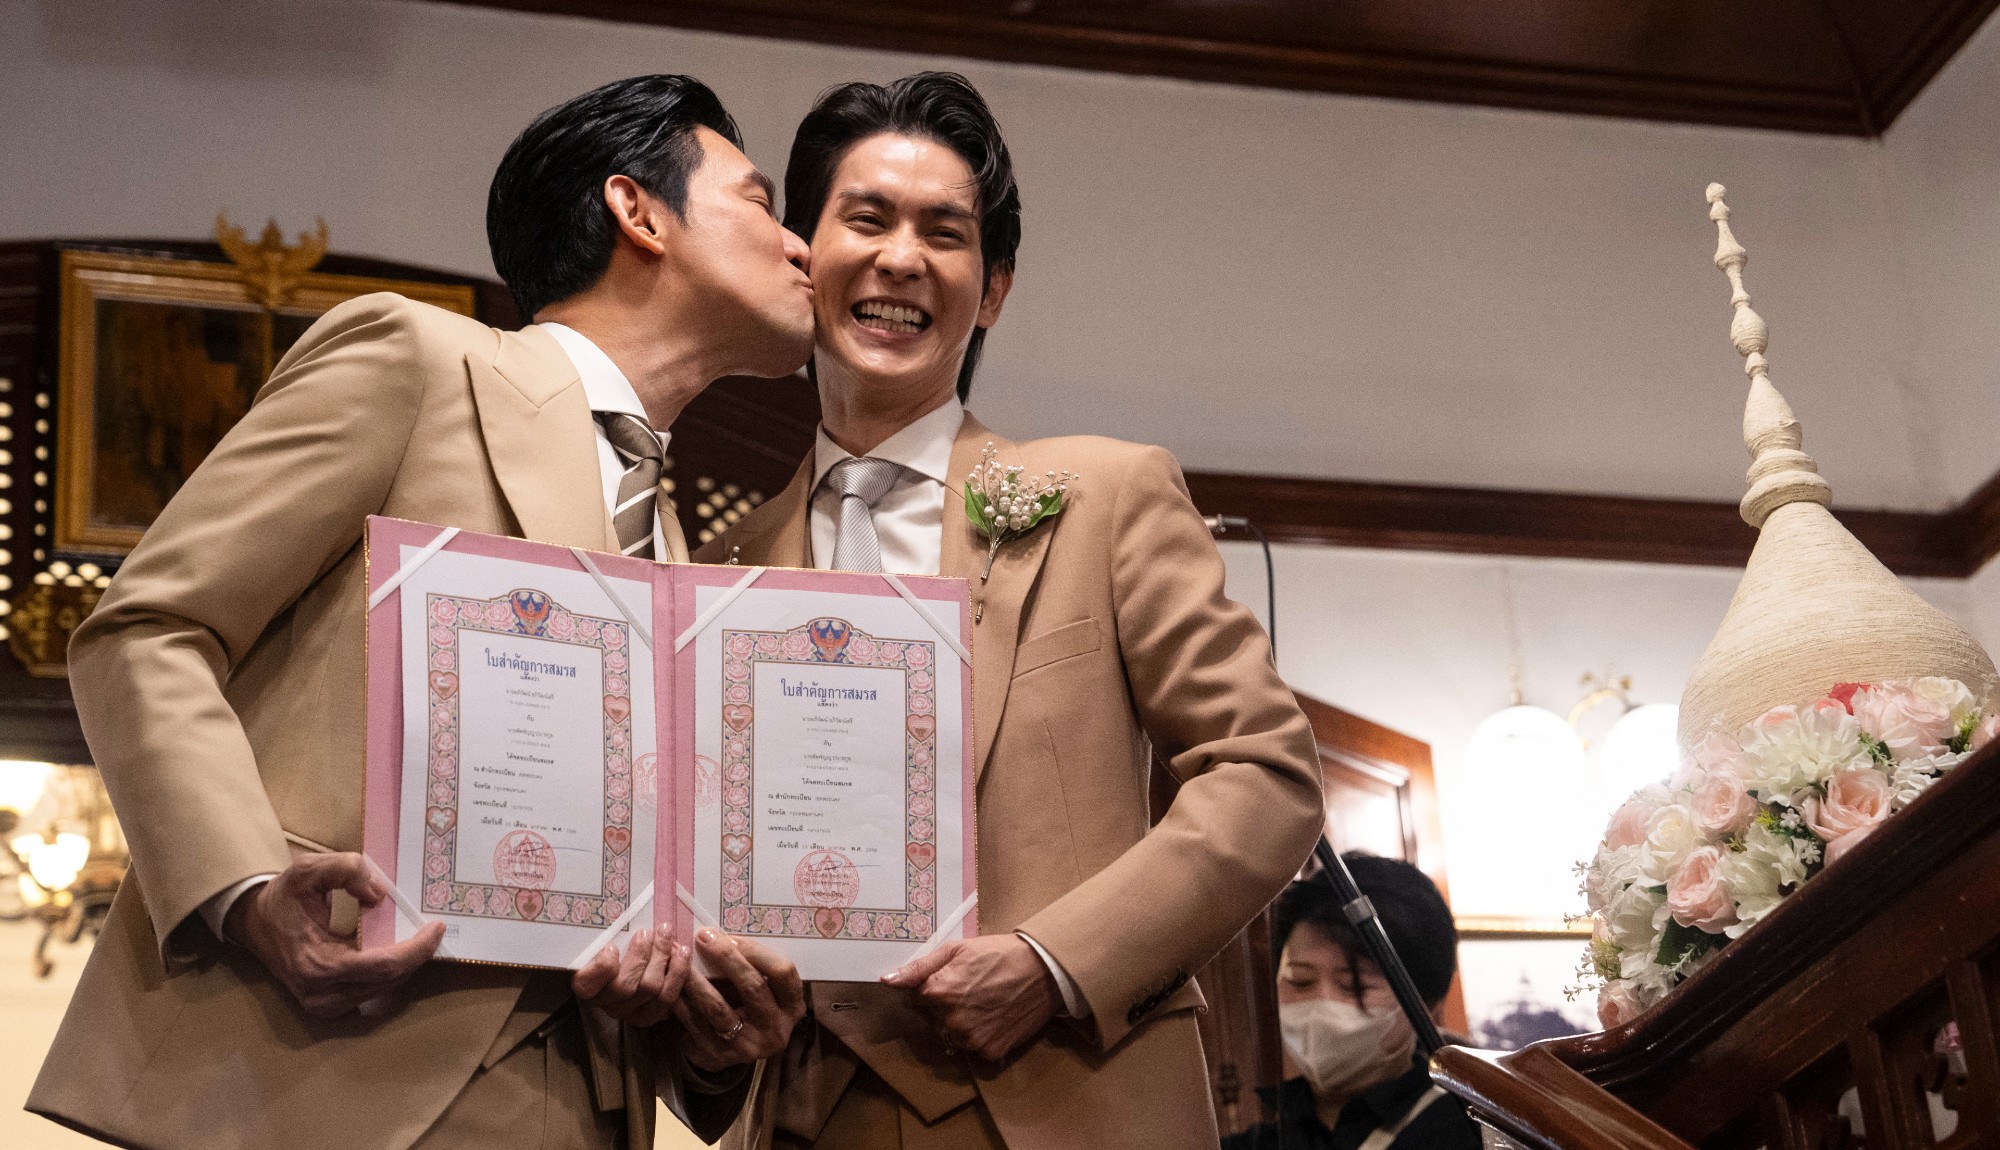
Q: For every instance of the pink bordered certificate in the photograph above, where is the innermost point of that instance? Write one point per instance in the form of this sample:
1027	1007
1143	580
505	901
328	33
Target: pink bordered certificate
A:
827	718
511	730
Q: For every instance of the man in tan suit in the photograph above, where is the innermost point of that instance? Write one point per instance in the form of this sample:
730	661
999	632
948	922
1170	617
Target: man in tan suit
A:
220	683
1100	635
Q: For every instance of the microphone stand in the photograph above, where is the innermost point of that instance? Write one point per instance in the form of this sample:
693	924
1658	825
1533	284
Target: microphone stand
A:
1360	914
1355	906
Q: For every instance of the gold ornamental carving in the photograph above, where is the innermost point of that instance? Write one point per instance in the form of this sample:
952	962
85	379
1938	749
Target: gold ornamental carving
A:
41	622
271	270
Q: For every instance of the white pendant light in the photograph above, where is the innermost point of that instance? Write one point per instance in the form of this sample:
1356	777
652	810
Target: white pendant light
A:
1642	747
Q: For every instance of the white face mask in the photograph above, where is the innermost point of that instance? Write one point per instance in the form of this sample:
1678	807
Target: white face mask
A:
1342	1048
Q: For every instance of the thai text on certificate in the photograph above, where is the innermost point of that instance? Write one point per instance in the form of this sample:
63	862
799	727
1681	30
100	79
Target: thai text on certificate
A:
830	769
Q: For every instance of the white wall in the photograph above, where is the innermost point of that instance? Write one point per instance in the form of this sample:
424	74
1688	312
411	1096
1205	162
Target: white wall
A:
1264	281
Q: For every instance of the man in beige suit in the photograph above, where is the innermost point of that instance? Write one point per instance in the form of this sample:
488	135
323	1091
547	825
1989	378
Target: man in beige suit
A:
220	683
1098	636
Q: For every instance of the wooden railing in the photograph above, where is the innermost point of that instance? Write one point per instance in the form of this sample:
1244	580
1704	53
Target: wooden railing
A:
1860	1013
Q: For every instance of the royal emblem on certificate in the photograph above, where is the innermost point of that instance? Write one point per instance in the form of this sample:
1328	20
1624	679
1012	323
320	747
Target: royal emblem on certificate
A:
564	745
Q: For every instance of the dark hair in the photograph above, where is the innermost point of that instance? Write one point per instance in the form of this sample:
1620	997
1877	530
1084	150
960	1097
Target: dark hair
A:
549	229
941	106
1413	915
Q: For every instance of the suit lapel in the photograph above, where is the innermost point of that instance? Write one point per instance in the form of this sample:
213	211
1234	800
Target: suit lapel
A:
998	601
539	439
780	535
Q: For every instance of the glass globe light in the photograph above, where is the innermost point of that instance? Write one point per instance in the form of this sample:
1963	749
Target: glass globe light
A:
1529	817
21	784
54	864
1642	747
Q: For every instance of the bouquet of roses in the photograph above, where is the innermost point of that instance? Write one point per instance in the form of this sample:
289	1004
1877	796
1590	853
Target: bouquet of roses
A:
1689	864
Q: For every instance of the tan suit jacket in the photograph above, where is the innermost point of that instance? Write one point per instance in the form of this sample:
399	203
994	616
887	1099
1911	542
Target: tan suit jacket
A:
1101	634
220	686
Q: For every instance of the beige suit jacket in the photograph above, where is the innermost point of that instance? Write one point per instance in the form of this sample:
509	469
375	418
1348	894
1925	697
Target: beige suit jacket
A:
220	687
1103	633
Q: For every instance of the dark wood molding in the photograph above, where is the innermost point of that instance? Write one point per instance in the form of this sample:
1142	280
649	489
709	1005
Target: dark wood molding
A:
1546	524
755	432
1834	66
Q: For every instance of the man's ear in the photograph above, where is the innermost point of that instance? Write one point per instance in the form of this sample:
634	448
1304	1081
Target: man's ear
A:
640	215
999	282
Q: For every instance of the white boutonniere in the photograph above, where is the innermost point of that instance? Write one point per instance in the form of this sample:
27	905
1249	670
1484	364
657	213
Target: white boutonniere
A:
1003	503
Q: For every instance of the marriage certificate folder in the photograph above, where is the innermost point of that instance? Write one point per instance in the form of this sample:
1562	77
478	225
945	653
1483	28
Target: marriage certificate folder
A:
565	745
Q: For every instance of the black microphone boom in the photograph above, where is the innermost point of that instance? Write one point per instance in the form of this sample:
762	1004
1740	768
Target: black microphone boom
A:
1360	914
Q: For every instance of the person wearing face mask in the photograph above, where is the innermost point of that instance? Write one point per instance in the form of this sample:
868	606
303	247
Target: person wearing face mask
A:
1351	1081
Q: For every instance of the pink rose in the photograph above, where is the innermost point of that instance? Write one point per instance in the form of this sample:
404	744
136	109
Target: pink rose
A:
1856	802
1617	1005
1720	803
1984	732
1696	894
1910	724
1715	751
1628	825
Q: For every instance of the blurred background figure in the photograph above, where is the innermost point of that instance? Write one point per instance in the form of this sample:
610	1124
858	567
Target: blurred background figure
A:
1352	1081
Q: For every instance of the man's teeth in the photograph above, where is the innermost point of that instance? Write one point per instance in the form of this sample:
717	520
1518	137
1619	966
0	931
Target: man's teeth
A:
891	317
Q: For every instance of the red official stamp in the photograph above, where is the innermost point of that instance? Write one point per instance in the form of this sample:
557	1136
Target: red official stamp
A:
524	859
826	879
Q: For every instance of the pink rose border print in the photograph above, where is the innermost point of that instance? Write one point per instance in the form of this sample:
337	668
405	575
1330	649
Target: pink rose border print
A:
817	643
533	614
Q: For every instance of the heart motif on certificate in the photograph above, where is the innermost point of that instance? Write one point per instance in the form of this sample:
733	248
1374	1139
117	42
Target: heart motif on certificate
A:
736	846
618	707
440	819
922	727
528	903
444	684
922	854
618	839
827	921
737	716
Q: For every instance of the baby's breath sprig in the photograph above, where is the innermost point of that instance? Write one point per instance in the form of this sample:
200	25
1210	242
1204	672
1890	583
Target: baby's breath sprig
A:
1005	503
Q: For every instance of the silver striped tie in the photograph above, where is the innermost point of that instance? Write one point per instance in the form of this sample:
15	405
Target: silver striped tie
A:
637	509
860	483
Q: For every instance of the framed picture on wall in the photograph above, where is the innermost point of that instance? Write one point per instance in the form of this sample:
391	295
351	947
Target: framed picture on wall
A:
1517	975
159	358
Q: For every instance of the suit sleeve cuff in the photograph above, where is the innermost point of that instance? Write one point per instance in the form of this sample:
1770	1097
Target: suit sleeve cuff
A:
215	912
1074	1004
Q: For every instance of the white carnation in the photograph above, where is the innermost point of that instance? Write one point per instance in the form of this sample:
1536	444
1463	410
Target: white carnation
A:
1614	869
1791	748
1912	777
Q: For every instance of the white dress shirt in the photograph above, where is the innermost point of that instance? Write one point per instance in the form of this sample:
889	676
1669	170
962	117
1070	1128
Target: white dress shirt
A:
607	389
909	522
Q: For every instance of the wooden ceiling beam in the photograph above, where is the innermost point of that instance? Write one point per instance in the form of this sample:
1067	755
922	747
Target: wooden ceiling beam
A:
1634	71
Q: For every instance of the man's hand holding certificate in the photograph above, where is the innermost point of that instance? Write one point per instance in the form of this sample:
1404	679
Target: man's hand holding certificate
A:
566	748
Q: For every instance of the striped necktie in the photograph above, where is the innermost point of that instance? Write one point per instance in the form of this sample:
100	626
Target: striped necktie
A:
860	483
636	511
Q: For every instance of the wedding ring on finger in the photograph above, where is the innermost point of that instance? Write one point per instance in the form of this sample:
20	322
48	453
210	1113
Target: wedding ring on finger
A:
732	1032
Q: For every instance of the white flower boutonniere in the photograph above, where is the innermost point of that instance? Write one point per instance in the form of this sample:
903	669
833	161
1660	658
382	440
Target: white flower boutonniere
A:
1006	504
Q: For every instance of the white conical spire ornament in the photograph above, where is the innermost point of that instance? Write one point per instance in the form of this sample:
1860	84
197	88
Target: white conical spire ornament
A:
1815	608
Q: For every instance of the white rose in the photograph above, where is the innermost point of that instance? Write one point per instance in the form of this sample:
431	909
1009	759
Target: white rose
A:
1950	694
1671	834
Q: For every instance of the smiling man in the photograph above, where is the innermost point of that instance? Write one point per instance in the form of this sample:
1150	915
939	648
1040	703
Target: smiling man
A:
226	1006
1099	636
